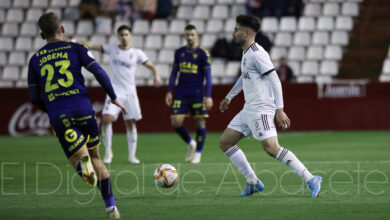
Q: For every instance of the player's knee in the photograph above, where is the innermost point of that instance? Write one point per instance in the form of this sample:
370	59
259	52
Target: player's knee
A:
270	147
224	144
94	153
176	124
107	119
130	124
200	123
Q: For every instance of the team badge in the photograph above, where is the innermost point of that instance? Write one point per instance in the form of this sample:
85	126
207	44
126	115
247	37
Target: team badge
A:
195	55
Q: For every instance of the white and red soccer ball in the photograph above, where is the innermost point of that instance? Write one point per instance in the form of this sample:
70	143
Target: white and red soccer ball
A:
165	175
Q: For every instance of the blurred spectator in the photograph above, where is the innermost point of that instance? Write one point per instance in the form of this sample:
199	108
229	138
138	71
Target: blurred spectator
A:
253	7
297	8
235	51
273	8
285	73
89	9
123	8
220	47
164	8
145	9
107	7
263	41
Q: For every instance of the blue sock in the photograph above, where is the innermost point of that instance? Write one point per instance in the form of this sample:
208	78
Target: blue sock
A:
200	138
106	191
78	169
183	132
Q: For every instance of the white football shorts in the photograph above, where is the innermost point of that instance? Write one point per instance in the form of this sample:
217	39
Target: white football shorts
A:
260	126
130	101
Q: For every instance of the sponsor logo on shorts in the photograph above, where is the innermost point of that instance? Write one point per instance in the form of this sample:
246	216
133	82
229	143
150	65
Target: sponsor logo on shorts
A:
70	135
76	144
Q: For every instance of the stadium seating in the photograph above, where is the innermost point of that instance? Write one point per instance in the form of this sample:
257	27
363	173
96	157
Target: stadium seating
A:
313	43
40	3
166	56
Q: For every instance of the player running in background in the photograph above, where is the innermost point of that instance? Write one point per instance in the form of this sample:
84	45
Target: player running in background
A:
193	64
263	97
55	72
123	64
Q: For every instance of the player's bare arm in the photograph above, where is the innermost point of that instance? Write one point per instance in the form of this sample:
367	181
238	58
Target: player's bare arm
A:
168	99
224	105
118	103
282	119
208	102
152	67
91	45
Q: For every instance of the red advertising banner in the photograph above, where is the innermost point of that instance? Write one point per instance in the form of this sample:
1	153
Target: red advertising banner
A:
340	107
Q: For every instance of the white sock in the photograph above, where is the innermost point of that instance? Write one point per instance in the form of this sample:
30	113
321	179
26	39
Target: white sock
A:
239	160
107	137
289	159
132	141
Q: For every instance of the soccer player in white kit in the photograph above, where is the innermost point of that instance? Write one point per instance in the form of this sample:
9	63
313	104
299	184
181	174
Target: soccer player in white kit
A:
123	63
263	98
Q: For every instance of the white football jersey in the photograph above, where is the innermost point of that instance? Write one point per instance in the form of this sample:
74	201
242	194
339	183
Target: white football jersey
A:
123	65
258	80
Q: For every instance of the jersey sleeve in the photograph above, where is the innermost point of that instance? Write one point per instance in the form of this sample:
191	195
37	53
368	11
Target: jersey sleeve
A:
261	63
207	71
237	88
175	69
34	92
206	58
85	56
142	58
176	58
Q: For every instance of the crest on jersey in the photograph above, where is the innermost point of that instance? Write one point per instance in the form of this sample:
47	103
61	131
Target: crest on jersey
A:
195	55
244	62
182	54
130	56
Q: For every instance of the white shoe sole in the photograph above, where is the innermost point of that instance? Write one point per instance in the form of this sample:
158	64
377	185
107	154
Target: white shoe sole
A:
88	173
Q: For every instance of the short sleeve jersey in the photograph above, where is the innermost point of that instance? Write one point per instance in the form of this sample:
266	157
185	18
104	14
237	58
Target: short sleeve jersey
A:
123	66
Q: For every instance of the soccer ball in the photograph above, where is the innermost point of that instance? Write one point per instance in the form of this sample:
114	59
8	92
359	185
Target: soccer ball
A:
165	175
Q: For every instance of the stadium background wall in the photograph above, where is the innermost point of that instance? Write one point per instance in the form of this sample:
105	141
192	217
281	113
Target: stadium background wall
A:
302	104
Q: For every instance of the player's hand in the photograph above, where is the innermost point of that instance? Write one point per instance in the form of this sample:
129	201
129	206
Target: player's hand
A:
224	105
168	99
157	81
282	119
208	102
120	105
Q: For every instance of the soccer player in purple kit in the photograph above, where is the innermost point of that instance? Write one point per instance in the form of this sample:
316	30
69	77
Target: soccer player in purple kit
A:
193	64
54	72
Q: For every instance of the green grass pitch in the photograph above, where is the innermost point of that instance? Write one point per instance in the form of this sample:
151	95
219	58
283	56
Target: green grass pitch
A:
37	182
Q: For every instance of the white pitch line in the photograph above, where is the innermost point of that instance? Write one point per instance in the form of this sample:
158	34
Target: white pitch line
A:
272	163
